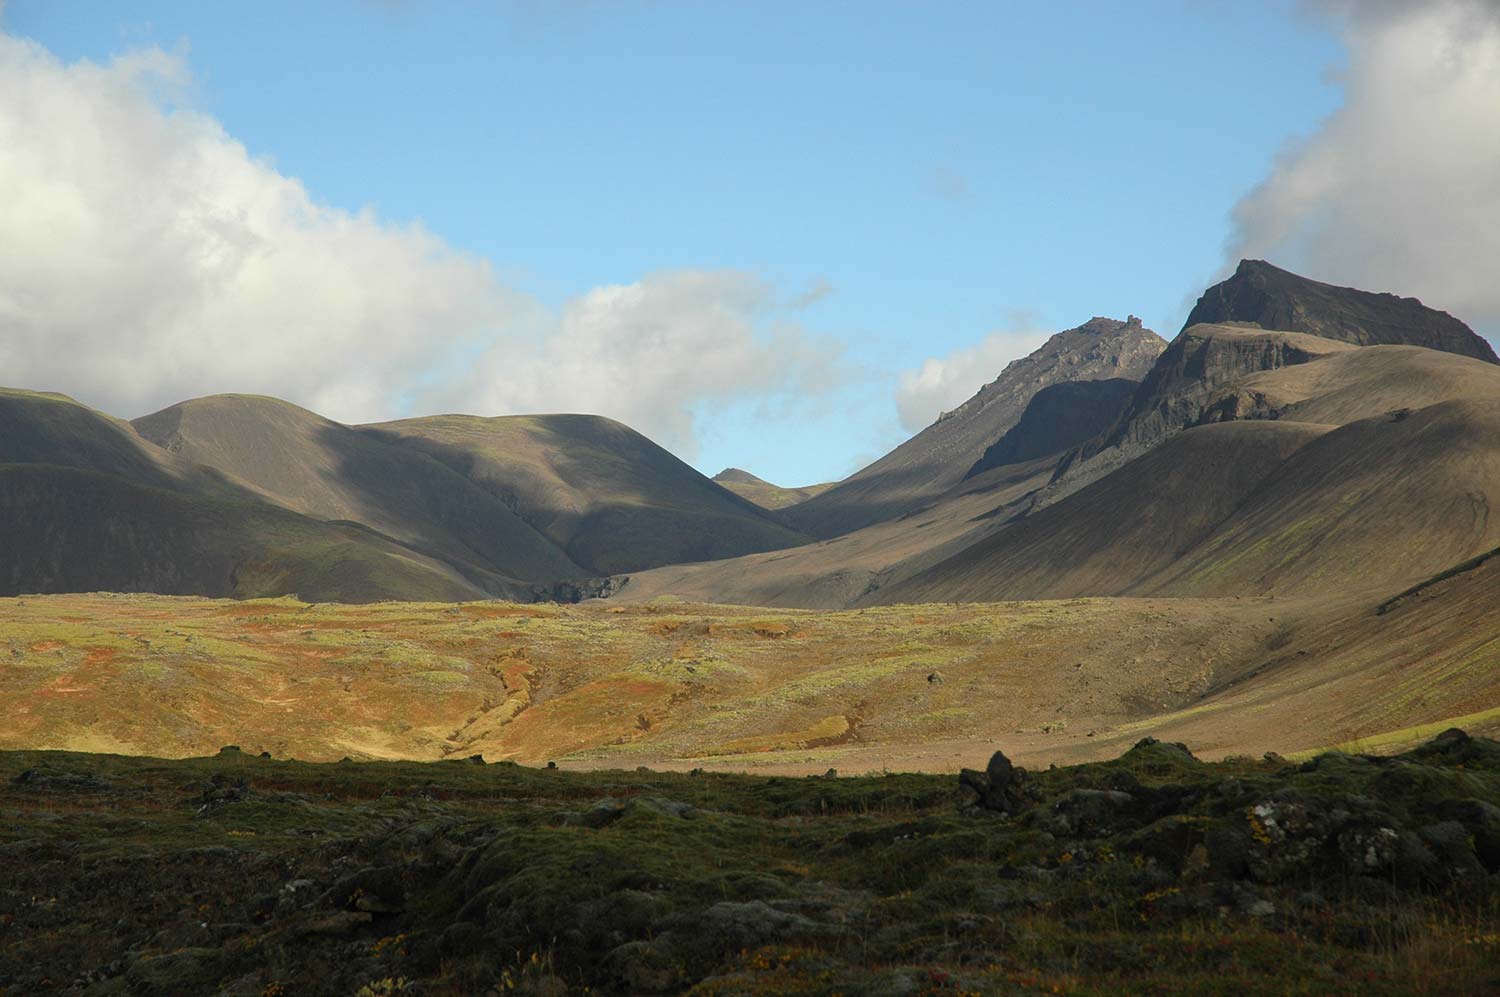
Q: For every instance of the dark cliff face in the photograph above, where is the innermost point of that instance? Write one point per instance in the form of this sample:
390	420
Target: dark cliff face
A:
1275	299
1057	418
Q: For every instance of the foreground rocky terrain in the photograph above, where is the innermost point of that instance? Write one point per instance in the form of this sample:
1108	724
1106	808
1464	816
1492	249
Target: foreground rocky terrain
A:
1152	873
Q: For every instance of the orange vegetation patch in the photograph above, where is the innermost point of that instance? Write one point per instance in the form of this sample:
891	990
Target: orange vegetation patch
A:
605	711
47	645
100	656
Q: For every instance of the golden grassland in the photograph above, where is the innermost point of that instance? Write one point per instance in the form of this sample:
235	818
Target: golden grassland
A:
677	685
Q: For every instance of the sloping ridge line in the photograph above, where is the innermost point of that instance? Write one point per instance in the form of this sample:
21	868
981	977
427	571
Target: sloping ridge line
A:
1458	569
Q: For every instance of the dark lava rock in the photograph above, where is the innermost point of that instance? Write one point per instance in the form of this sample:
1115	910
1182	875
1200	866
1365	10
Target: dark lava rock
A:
1001	787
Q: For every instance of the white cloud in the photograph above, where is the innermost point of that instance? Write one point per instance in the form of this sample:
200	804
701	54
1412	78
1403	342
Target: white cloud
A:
1397	189
651	352
941	384
146	257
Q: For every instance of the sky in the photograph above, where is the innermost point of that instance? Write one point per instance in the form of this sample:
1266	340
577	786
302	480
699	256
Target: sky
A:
779	236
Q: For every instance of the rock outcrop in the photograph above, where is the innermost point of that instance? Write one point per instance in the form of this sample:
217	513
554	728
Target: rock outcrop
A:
1273	298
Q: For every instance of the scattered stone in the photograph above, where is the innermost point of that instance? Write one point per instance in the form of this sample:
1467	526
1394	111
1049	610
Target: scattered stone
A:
936	678
831	774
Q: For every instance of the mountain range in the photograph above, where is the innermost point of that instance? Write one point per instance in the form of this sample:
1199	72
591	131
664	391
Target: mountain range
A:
1278	445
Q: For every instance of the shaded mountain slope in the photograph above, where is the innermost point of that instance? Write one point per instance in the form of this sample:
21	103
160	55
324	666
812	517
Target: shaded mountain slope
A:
87	504
609	497
1277	299
762	492
934	460
70	530
47	428
1113	536
1057	418
320	468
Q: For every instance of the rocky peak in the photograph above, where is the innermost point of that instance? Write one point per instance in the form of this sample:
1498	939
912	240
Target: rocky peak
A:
1273	298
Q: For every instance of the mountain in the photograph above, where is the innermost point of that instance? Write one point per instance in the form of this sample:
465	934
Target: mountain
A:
1363	469
763	493
1059	417
1273	298
240	495
86	504
311	465
612	500
1183	389
938	457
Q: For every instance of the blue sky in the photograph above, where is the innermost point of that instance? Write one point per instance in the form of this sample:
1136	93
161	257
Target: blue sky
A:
899	180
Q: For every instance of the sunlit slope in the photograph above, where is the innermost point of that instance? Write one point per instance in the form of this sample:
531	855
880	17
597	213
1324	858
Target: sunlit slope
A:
609	497
326	470
1378	678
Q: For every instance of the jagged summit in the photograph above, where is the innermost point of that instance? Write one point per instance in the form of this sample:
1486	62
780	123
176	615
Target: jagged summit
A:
1273	298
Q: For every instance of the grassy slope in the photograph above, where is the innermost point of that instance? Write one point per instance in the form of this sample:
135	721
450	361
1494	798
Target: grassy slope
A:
612	499
1152	873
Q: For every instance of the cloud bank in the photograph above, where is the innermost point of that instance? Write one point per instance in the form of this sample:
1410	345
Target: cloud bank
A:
1399	189
147	257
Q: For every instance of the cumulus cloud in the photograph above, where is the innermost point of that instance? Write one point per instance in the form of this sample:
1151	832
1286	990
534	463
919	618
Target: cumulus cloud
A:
146	257
1397	189
651	352
941	384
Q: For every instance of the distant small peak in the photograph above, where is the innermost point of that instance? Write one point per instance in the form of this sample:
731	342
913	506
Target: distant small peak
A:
735	475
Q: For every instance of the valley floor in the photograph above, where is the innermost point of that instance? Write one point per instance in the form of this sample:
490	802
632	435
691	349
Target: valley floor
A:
681	686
